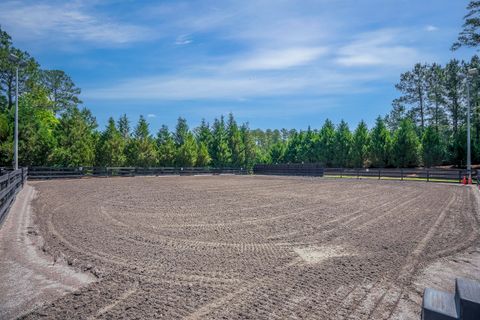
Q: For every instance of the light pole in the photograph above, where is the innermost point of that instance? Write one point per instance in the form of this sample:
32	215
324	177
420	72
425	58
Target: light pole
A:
15	59
472	73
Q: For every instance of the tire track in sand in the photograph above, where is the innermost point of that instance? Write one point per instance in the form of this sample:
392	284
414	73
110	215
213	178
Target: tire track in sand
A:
407	270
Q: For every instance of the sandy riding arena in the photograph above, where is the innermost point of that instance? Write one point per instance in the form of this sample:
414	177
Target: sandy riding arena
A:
251	247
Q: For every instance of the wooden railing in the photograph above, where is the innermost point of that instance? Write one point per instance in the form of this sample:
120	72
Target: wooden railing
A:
412	174
79	172
11	182
291	169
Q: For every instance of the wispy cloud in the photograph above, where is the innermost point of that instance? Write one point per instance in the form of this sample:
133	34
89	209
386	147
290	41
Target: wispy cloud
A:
224	52
236	86
67	22
270	22
379	48
183	40
186	88
431	28
279	59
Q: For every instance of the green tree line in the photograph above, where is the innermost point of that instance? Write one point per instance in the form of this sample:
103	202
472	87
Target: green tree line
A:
426	126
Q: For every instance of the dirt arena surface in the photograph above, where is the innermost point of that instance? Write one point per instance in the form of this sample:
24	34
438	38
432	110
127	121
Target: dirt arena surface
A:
242	247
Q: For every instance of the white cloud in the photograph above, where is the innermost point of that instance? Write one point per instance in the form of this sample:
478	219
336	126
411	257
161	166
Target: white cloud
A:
183	40
431	28
279	59
184	88
151	115
236	86
379	48
67	22
264	23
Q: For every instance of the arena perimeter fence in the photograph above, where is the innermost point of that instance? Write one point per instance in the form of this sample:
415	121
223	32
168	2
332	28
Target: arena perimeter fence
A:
11	182
427	174
296	169
79	172
292	169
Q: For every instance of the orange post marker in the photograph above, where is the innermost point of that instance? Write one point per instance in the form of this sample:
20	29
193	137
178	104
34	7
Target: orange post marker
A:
469	180
464	180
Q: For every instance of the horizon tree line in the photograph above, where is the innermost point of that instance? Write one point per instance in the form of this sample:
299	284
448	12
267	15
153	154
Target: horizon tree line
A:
426	126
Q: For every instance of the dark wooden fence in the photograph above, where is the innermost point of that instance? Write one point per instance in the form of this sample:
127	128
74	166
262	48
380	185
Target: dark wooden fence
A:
427	174
69	173
293	169
296	169
11	182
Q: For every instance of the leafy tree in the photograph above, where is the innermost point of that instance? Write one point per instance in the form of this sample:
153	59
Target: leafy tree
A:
36	132
436	97
458	147
141	149
124	127
220	152
28	69
166	147
406	145
76	139
396	115
249	147
61	90
470	36
111	147
343	144
235	142
203	158
432	147
181	131
326	144
475	98
307	148
413	84
187	152
380	144
277	152
203	133
360	144
292	153
285	133
454	94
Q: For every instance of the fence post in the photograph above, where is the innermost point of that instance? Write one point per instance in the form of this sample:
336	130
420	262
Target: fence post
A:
401	173
22	177
379	173
428	175
459	176
358	173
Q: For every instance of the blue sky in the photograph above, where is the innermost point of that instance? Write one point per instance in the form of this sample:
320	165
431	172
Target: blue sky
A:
272	63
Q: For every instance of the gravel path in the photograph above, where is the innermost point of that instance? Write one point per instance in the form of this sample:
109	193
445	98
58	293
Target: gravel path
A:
241	247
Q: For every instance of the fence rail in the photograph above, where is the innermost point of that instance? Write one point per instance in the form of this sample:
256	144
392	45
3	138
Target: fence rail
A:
11	182
310	169
70	173
293	169
428	175
296	169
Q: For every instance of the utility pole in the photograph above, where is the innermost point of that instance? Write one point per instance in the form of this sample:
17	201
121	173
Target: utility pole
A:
15	59
472	73
18	63
15	152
